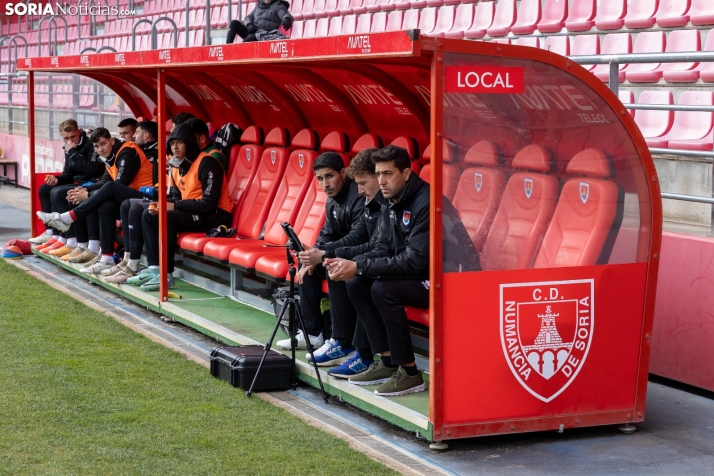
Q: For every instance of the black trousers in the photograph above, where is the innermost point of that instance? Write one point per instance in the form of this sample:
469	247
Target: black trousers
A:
130	214
49	194
176	221
380	305
342	313
103	206
237	28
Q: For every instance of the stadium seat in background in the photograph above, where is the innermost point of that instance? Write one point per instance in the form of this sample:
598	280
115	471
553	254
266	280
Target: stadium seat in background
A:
483	18
346	7
366	141
417	3
427	20
706	70
580	16
296	31
627	97
349	24
319	9
529	14
690	130
503	41
679	41
379	6
503	19
322	28
641	14
411	20
296	9
464	18
701	12
308	7
379	22
410	145
337	142
308	28
332	8
335	28
614	43
647	42
672	13
586	45
445	21
587	217
394	20
451	172
557	44
532	41
364	24
611	14
654	123
480	189
524	212
362	7
402	4
553	18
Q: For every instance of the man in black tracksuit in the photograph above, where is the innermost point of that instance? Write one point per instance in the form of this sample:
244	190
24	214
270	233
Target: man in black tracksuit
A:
343	209
263	23
80	166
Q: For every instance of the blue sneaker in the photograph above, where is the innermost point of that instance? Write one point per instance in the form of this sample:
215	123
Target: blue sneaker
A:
331	353
352	366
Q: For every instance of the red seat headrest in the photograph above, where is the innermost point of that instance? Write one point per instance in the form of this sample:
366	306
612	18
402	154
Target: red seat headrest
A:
336	142
367	141
408	143
593	162
484	153
277	137
449	156
305	139
252	135
534	157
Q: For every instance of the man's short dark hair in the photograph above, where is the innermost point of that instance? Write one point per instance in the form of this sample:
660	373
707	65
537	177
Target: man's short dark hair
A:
198	126
362	163
151	127
181	117
332	160
393	153
100	133
128	122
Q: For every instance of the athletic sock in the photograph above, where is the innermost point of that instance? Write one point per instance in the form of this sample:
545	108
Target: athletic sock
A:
83	246
126	257
67	217
411	370
133	264
72	242
108	259
93	246
387	361
154	269
62	240
48	231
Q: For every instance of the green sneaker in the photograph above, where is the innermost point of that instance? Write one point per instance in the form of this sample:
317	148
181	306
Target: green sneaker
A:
142	278
154	283
401	384
376	373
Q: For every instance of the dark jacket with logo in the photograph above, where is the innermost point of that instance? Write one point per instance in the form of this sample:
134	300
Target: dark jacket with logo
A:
342	212
363	236
81	164
128	164
267	17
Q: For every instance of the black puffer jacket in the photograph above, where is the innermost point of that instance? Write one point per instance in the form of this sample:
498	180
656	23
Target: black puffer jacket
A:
267	16
81	163
343	212
363	236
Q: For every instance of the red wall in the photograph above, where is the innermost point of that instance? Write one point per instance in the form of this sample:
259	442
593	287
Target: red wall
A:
49	156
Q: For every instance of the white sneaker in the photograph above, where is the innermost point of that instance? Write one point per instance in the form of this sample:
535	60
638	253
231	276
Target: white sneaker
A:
114	269
45	217
96	267
40	239
316	341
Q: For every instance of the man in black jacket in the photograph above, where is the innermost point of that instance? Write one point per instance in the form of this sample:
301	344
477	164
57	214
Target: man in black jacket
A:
262	23
80	166
343	209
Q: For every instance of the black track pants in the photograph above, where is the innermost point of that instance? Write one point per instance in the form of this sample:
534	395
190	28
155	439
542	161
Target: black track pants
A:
59	204
342	313
130	214
177	221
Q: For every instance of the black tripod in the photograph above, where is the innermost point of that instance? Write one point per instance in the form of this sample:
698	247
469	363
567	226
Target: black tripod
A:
293	310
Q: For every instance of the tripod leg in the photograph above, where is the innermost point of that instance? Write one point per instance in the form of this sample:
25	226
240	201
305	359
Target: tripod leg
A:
310	349
265	353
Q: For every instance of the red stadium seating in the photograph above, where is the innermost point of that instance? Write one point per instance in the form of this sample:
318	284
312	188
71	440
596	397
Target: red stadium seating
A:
524	212
503	19
672	13
679	41
587	217
647	42
445	21
451	172
308	29
464	18
308	9
614	43
701	12
532	41
641	14
611	14
365	142
690	130
581	15
706	70
483	18
427	20
297	30
627	97
394	20
379	6
296	7
411	19
335	27
379	22
349	24
364	24
332	9
529	14
323	27
554	14
654	123
362	7
586	45
558	44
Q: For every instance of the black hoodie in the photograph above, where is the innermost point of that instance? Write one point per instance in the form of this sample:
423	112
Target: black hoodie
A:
363	236
81	164
342	212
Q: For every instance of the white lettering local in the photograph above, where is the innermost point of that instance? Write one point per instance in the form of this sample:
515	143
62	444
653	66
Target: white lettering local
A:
487	80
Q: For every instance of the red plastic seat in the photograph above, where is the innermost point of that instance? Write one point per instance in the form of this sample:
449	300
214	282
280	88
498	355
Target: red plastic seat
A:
691	130
409	144
691	75
364	24
288	200
322	28
532	41
444	22
672	13
554	14
641	14
309	27
480	189
308	7
524	212
296	31
558	44
427	21
394	20
701	12
503	19
529	14
379	22
362	8
679	41
586	45
611	14
380	6
335	28
331	8
580	17
366	141
647	42
483	18
587	217
349	24
258	196
614	43
343	7
420	316
654	123
353	7
296	9
463	20
451	173
411	19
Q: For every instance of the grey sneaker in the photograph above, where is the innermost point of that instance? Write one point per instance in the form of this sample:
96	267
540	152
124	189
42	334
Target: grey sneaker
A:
121	277
376	373
401	384
114	269
85	257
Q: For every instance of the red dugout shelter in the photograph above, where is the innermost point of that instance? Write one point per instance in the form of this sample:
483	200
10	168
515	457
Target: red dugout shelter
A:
546	168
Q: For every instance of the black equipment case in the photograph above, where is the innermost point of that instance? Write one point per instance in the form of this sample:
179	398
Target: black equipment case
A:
237	365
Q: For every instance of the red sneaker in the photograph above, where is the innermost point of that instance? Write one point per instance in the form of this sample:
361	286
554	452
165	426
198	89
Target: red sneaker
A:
51	242
58	244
